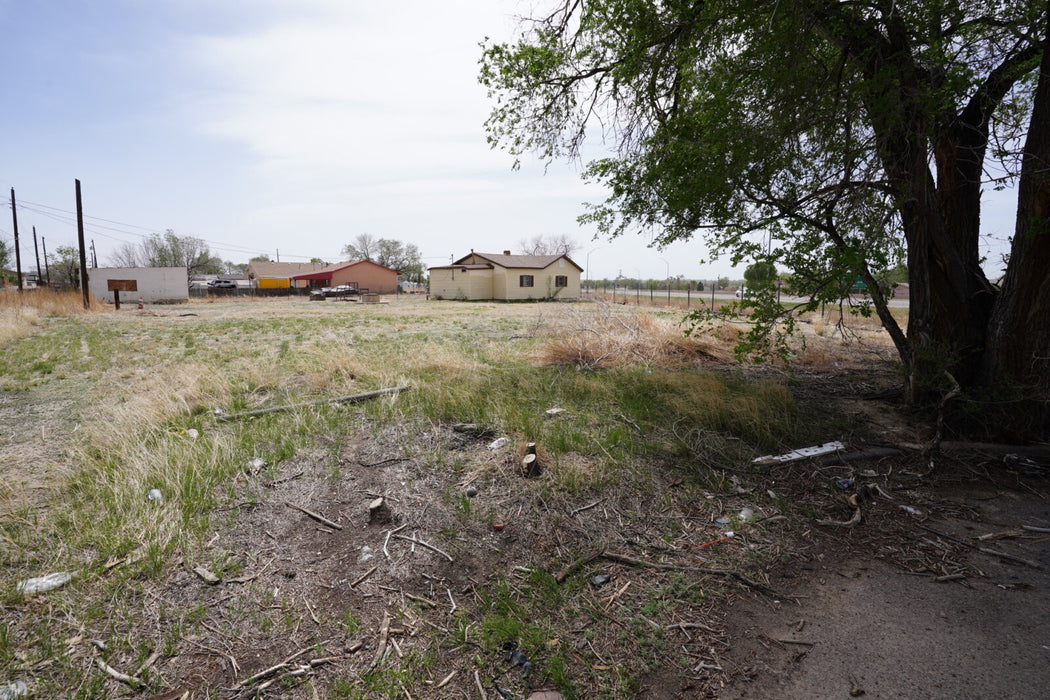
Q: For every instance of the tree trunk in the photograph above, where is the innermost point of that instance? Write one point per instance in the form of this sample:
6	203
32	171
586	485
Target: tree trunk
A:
1018	352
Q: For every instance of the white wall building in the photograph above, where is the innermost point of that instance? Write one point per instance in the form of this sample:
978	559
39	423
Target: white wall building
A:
164	285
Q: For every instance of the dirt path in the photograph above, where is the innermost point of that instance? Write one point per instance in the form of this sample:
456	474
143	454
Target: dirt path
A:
864	627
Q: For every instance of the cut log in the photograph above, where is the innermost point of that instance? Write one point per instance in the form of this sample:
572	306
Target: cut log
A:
530	465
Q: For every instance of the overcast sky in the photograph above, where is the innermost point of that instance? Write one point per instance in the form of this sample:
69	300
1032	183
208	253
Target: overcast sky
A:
285	127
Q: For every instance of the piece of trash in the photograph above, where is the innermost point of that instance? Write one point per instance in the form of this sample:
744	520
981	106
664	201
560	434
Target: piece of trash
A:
746	514
722	521
498	443
554	411
99	644
498	526
155	496
192	434
868	473
912	511
366	554
600	579
844	484
516	658
256	464
218	411
42	584
14	689
728	536
206	575
801	453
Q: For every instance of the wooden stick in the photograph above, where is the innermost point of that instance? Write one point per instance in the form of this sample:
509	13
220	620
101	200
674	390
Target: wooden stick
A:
586	507
352	398
577	565
452	600
446	680
388	534
421	599
481	688
363	576
1033	528
984	550
384	633
429	546
316	516
117	675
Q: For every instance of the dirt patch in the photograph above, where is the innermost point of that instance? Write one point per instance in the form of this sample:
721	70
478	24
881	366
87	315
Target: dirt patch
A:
906	612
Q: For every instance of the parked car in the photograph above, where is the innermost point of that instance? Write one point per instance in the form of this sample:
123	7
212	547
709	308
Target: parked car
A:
341	290
223	284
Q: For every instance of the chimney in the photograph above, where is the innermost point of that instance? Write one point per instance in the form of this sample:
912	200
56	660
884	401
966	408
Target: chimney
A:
506	252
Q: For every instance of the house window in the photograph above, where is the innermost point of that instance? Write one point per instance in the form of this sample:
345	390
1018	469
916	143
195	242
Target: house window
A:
525	281
561	281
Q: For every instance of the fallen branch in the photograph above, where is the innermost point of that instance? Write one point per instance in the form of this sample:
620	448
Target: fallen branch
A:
576	566
586	507
352	398
316	516
424	544
983	550
384	634
847	523
363	576
117	675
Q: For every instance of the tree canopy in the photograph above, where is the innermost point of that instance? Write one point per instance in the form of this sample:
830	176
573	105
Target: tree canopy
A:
836	139
169	250
403	257
552	244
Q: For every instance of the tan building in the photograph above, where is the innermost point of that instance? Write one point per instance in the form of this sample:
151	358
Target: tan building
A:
507	277
365	275
278	275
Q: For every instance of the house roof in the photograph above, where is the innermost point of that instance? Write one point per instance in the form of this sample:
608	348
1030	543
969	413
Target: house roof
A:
326	273
465	266
263	269
520	261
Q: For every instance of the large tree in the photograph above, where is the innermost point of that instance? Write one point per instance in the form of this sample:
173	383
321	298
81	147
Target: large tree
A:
836	139
552	244
403	257
169	250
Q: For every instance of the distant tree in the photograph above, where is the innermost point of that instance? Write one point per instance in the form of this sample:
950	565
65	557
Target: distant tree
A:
363	247
403	257
317	261
232	268
4	254
262	257
171	250
760	275
127	255
64	264
723	283
552	244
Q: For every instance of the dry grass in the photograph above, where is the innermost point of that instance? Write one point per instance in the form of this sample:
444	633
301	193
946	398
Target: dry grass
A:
21	314
600	336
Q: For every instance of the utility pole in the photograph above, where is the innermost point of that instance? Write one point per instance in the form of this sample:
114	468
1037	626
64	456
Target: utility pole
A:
18	255
94	260
47	270
39	277
83	252
278	254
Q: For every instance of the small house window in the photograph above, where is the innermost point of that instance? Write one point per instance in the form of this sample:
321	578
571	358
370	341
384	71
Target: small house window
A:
525	281
561	281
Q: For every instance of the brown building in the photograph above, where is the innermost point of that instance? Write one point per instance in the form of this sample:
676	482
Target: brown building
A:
366	275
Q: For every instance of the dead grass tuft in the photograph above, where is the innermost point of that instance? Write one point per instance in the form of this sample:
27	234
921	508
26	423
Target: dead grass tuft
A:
22	314
601	336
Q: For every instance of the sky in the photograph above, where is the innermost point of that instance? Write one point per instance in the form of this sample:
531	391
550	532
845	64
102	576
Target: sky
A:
287	128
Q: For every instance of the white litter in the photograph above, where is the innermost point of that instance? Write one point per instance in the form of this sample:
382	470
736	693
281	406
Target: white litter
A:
499	443
801	453
14	689
42	584
155	496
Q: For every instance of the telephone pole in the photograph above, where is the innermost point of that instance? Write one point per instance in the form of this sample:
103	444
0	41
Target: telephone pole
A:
18	255
83	252
47	270
39	277
94	260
